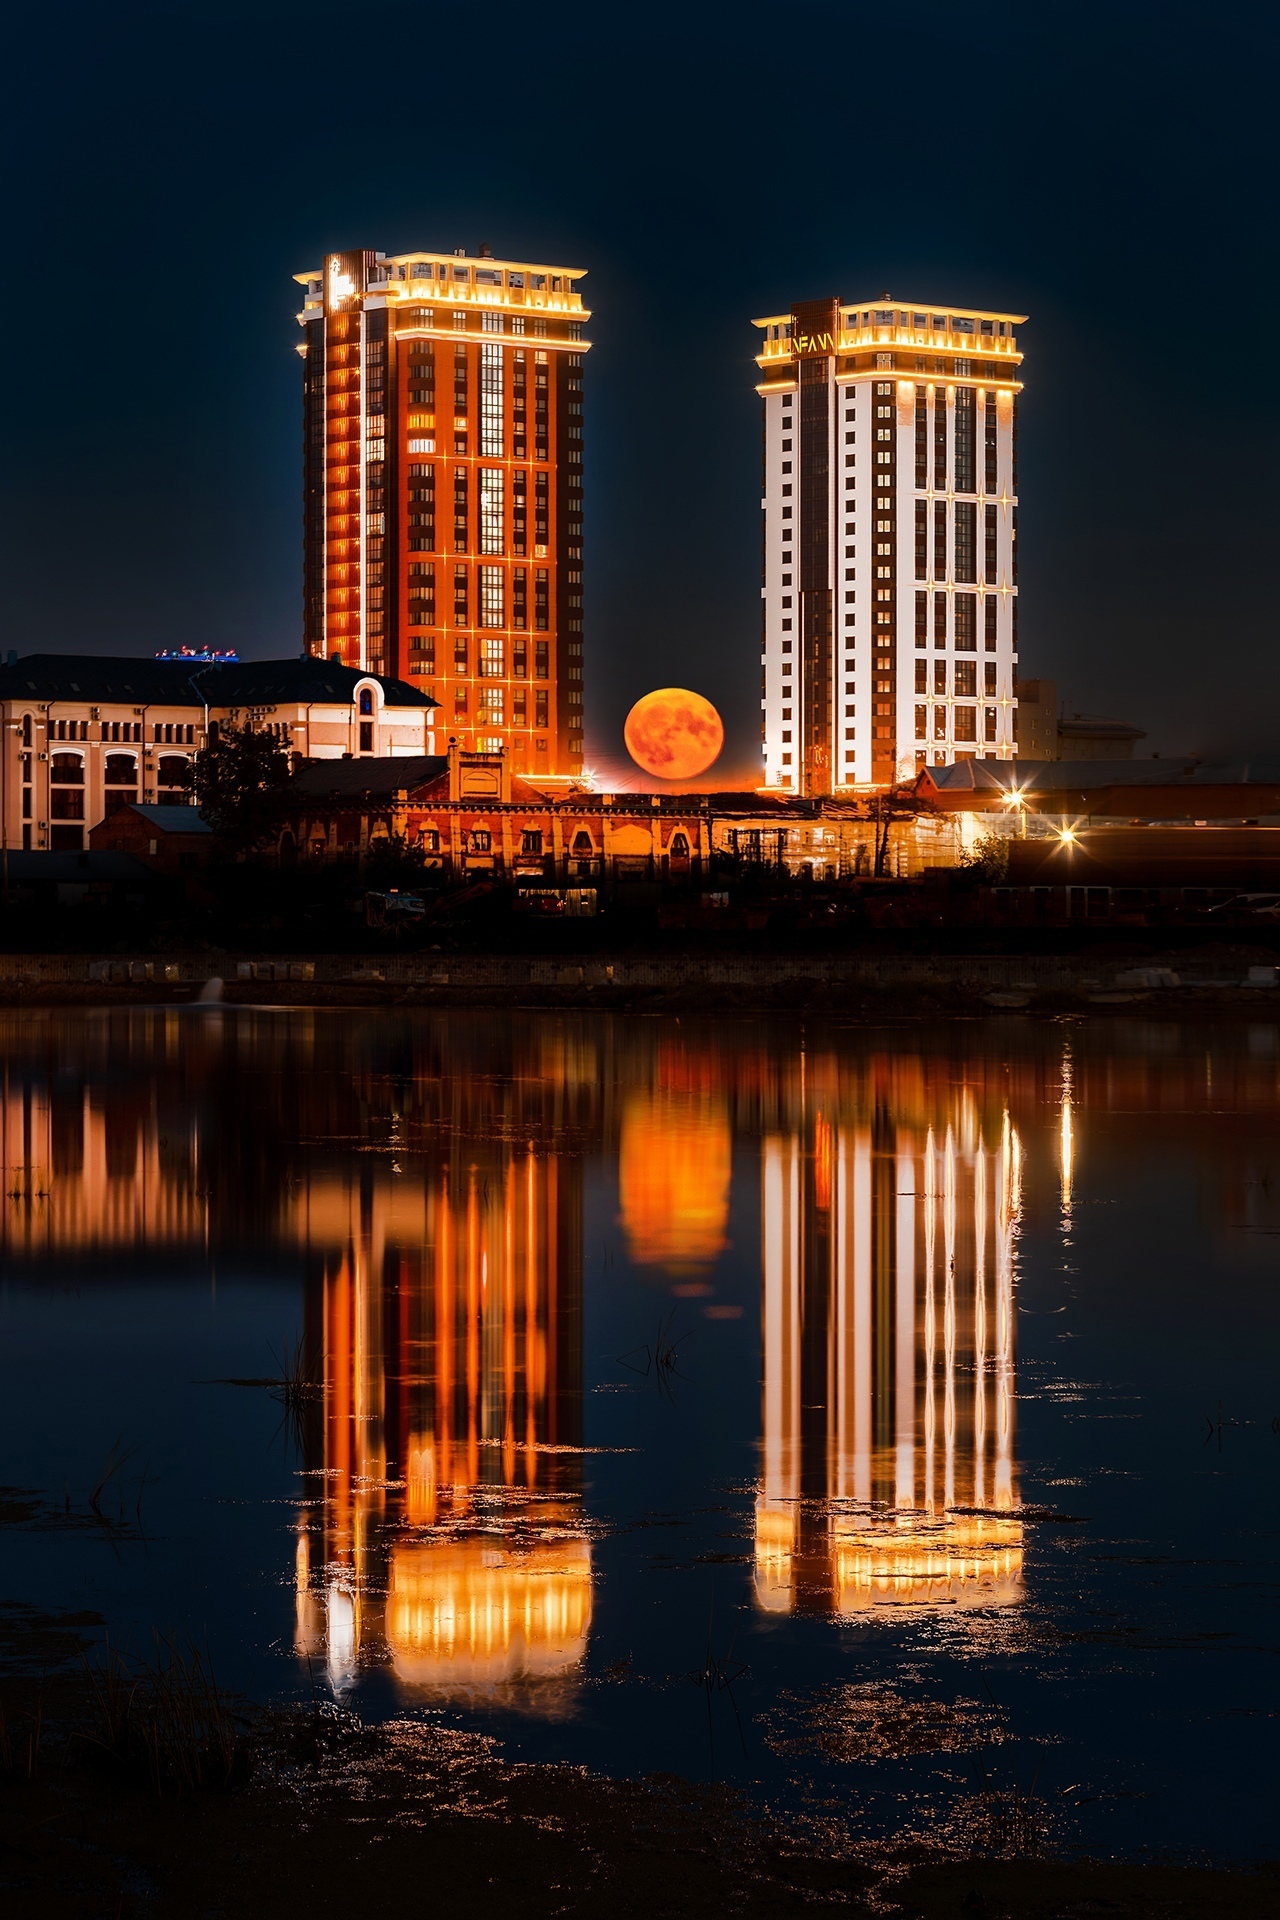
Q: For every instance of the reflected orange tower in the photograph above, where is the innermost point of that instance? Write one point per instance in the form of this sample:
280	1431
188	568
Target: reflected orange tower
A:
888	1444
450	1345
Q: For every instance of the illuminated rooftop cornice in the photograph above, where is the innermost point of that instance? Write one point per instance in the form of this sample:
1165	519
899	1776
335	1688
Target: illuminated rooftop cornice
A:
453	281
898	323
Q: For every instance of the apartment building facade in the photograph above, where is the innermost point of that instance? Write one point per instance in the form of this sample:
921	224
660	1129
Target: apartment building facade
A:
890	590
443	488
84	735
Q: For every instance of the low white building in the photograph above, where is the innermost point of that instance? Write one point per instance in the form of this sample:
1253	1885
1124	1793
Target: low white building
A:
85	734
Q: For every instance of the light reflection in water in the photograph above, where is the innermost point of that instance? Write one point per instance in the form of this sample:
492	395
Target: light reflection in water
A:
179	1186
448	1334
888	1474
674	1165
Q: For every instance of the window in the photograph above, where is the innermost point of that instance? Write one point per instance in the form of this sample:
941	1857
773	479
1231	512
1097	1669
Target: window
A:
172	772
965	476
966	540
922	619
491	510
480	840
939	539
922	677
989	547
940	678
491	602
67	769
121	770
531	840
990	727
966	623
366	736
990	447
491	707
66	803
990	616
539	709
939	619
582	846
989	677
967	678
491	662
939	723
940	438
366	699
491	446
966	723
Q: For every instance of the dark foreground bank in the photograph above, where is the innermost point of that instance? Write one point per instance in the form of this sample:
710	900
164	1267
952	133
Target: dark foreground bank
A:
315	1814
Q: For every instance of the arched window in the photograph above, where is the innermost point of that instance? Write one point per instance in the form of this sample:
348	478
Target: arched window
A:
66	798
173	775
582	847
26	729
120	778
679	847
366	699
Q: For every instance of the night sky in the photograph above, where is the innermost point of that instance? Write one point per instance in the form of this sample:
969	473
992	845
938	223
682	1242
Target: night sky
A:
1109	171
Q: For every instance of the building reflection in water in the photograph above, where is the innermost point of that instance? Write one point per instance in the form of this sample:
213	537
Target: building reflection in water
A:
888	1402
446	1540
425	1174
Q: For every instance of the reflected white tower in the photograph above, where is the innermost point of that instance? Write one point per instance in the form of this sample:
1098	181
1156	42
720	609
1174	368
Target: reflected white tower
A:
887	1471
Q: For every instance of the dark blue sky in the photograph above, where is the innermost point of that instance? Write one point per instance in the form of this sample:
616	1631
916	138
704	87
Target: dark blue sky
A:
1109	171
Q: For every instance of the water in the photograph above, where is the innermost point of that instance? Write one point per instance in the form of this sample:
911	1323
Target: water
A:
879	1417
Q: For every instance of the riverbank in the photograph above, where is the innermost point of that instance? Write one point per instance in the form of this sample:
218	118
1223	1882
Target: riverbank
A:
1238	978
335	1818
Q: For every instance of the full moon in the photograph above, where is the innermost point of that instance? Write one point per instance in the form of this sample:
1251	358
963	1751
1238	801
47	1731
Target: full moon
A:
673	734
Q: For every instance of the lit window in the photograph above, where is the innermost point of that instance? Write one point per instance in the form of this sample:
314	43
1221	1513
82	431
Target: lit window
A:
491	396
491	510
491	597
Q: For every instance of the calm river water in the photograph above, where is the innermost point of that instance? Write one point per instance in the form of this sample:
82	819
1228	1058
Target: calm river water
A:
885	1417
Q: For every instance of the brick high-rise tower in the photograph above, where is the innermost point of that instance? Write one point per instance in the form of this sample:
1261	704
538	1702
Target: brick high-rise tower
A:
443	489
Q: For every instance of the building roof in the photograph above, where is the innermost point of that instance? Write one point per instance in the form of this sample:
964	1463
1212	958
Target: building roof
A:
1083	726
378	777
107	678
983	782
169	819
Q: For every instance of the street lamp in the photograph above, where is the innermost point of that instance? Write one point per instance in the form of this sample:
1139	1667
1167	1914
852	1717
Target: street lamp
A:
1016	797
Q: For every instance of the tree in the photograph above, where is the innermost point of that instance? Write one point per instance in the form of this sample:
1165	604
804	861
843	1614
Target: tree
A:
898	803
241	784
988	859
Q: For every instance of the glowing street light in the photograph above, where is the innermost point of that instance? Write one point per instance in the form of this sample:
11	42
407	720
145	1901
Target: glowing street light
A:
1016	797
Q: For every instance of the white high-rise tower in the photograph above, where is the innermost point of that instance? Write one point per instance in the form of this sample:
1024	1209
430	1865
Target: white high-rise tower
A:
890	596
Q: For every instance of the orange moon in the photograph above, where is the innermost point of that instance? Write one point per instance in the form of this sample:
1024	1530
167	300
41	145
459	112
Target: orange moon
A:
673	734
